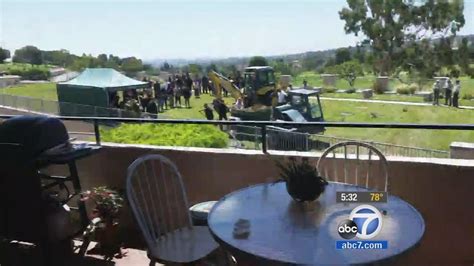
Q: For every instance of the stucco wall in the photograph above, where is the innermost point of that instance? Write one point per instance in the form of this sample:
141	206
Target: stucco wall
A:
461	150
441	190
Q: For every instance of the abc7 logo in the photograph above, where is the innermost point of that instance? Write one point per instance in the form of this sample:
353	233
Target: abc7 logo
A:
365	222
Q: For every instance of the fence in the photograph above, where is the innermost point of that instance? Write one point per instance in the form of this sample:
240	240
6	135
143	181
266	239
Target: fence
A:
56	108
243	136
281	139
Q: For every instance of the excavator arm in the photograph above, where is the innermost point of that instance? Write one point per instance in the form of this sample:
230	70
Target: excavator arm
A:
220	82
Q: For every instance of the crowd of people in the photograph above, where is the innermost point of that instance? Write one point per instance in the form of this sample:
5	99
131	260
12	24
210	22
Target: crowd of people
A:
175	93
451	92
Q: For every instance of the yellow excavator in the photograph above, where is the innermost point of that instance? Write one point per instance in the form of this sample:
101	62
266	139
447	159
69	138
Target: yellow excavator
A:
259	96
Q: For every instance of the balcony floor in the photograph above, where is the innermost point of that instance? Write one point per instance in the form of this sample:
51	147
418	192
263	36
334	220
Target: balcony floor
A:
23	254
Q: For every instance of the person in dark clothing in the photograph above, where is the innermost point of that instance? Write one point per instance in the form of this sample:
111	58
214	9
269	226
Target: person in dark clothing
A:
222	110
436	92
116	101
187	96
197	88
205	84
208	112
164	98
448	100
178	91
170	94
144	100
152	109
456	90
157	89
188	86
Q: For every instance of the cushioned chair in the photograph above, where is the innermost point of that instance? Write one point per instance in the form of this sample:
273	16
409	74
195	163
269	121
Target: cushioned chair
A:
158	200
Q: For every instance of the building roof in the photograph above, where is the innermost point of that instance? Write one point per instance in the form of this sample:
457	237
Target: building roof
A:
106	78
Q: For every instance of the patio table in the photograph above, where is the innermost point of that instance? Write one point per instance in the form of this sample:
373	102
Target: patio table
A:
284	231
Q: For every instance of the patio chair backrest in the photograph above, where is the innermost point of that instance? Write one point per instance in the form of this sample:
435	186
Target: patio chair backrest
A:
157	197
362	164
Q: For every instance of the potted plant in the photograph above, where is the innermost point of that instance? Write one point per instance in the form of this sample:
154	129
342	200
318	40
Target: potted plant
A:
303	182
104	219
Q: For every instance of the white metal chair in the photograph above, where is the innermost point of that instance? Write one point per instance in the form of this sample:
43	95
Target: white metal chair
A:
362	164
158	200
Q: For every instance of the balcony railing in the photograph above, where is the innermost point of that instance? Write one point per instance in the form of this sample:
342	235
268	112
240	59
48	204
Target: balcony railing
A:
263	128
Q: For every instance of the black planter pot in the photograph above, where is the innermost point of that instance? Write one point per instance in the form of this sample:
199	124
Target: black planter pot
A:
305	189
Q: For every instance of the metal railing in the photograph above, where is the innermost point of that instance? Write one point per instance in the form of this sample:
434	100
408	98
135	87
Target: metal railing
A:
279	139
49	107
264	126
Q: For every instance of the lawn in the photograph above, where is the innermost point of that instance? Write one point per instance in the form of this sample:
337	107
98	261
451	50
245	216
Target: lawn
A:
314	79
391	97
378	113
340	111
45	91
375	113
196	105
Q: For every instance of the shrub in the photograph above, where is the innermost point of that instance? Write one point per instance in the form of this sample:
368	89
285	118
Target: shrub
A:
352	90
329	90
407	89
467	96
32	73
403	90
167	135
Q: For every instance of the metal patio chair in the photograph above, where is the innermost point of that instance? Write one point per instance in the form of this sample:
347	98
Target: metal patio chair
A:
357	163
158	200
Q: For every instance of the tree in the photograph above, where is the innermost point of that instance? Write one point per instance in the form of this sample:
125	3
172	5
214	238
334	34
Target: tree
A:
102	58
349	71
342	55
165	66
330	62
114	60
282	67
258	61
311	62
131	65
360	54
85	61
4	54
28	54
195	69
58	57
212	67
390	25
464	57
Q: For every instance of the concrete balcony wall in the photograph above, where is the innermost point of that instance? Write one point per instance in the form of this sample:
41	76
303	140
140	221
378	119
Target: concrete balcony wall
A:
440	189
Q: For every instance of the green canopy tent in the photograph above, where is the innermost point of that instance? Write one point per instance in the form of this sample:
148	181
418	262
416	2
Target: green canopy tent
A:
92	88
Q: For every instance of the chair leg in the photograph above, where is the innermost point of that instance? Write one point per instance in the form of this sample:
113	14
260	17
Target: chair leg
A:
152	262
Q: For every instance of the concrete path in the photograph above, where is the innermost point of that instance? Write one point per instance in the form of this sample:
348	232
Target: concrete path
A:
388	102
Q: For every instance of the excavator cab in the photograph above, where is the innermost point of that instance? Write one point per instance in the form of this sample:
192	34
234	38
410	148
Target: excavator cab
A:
300	108
259	84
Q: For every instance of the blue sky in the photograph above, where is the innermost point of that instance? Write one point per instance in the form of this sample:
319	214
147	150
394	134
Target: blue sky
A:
179	29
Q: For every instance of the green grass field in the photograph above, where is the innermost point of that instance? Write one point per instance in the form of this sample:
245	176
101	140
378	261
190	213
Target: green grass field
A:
196	104
340	111
377	113
45	91
314	79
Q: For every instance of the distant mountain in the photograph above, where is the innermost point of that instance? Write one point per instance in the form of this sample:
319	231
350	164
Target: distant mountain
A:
323	54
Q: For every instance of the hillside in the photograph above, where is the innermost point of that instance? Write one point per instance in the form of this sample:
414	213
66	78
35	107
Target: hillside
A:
323	54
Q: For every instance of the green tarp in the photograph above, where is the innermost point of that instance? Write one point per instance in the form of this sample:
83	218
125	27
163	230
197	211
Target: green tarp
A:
92	88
